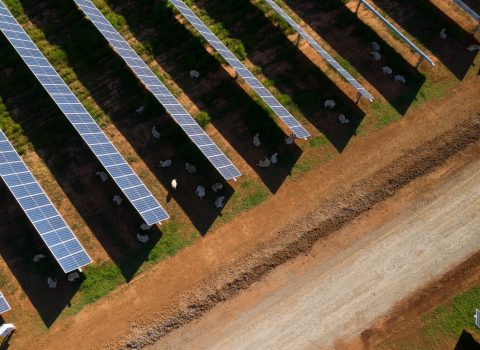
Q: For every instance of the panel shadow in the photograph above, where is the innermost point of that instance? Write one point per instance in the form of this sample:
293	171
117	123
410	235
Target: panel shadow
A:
72	164
424	21
291	71
19	243
117	92
351	39
230	108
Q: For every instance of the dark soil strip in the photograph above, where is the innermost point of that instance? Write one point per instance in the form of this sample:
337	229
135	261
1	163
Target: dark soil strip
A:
299	238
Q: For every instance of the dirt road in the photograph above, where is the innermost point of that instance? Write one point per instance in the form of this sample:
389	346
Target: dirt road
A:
298	221
314	302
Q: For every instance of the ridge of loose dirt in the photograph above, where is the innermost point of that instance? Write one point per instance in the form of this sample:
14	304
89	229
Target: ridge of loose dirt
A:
299	238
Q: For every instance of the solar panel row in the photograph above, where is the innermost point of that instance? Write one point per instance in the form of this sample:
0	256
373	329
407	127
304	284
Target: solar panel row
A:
123	175
250	79
399	33
467	9
53	230
321	51
163	95
4	307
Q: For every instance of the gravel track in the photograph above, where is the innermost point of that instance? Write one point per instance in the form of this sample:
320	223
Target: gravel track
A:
299	238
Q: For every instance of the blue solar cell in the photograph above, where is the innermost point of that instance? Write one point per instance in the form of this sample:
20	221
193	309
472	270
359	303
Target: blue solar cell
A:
68	263
231	59
227	171
81	258
298	131
40	70
136	193
52	238
56	89
167	100
73	246
32	201
193	130
69	99
36	205
201	140
21	191
4	146
44	226
4	307
219	161
144	73
11	168
80	118
60	251
103	149
41	213
211	150
65	234
94	139
69	108
137	62
129	181
110	159
8	157
159	90
119	170
155	214
91	128
22	43
49	79
66	100
186	119
146	203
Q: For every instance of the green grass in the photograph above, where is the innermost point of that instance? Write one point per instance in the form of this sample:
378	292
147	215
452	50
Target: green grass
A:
309	162
104	277
450	319
171	242
100	280
383	113
12	130
251	194
435	89
319	141
254	198
441	327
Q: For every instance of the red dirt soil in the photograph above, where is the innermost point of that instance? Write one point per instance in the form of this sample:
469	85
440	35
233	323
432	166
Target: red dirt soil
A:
183	287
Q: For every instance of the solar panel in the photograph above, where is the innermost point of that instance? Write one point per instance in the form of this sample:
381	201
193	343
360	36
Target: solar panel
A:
249	78
321	51
163	95
4	307
477	318
468	10
400	34
123	175
51	227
